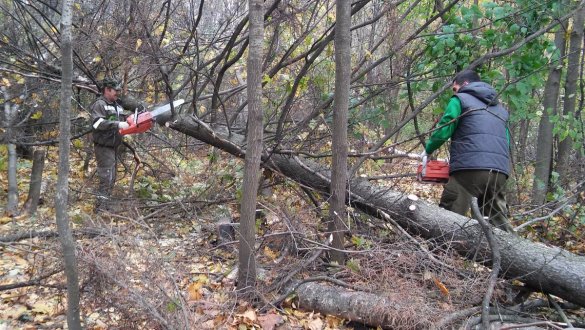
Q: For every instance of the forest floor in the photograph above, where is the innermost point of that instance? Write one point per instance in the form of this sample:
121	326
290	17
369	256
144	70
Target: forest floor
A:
157	260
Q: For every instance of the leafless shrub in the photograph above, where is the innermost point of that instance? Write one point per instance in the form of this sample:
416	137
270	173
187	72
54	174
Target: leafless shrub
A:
130	277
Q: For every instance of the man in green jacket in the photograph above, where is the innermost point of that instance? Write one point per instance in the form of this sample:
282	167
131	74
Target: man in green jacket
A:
477	125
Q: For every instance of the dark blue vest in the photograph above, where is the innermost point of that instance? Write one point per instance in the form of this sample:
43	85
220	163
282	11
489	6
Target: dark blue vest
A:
480	141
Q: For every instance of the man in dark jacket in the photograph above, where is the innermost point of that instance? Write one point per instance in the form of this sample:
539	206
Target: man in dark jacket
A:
477	125
107	120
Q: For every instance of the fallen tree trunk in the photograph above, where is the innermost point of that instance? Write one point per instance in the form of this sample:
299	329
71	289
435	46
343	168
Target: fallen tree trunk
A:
543	268
362	307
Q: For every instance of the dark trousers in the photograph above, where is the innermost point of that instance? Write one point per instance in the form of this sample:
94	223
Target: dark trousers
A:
488	186
106	171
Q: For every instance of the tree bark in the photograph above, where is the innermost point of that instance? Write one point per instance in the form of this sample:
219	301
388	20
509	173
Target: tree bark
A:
246	257
544	145
367	308
337	210
62	195
543	268
36	180
9	116
573	59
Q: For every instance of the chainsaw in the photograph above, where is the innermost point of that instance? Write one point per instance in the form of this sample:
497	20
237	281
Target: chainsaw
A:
437	171
141	122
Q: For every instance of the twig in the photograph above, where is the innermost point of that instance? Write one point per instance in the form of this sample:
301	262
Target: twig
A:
281	283
509	318
138	162
559	310
46	234
555	211
533	324
449	319
487	230
444	322
35	281
429	254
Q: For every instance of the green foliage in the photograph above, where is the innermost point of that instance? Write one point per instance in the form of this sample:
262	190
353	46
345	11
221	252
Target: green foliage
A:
360	242
566	126
173	305
557	192
353	265
502	25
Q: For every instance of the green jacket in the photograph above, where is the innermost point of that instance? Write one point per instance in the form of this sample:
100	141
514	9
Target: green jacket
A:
447	126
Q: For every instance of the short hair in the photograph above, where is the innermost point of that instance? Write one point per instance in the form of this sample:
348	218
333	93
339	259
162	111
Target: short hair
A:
466	76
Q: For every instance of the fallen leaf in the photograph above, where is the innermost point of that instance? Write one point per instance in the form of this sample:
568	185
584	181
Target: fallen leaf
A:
441	287
43	308
13	312
270	321
315	324
194	291
270	253
250	314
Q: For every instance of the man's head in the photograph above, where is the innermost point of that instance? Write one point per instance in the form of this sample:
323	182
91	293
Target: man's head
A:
110	89
463	78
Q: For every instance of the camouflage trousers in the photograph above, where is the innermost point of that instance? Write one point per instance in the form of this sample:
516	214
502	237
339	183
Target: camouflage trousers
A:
488	186
106	171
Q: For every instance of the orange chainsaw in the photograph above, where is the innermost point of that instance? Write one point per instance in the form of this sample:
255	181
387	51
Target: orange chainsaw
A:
437	171
141	122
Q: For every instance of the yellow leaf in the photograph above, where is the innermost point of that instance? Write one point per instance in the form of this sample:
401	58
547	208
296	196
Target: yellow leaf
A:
194	291
5	82
37	115
4	220
138	44
269	253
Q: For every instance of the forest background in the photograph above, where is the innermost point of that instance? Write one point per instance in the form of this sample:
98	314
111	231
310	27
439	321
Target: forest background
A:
168	254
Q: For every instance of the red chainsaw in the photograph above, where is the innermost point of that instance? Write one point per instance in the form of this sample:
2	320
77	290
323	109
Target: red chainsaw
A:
437	171
141	122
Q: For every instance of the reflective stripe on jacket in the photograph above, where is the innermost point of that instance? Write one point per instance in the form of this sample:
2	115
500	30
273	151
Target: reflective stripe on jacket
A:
105	119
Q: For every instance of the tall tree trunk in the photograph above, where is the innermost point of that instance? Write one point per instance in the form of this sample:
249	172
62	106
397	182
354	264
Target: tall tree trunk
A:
544	145
62	196
573	64
36	180
246	257
9	117
337	210
475	22
522	139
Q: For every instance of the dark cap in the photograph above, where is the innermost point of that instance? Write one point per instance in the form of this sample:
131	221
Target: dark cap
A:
112	83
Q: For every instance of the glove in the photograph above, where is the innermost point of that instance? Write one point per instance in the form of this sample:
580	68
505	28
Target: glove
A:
123	125
424	156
